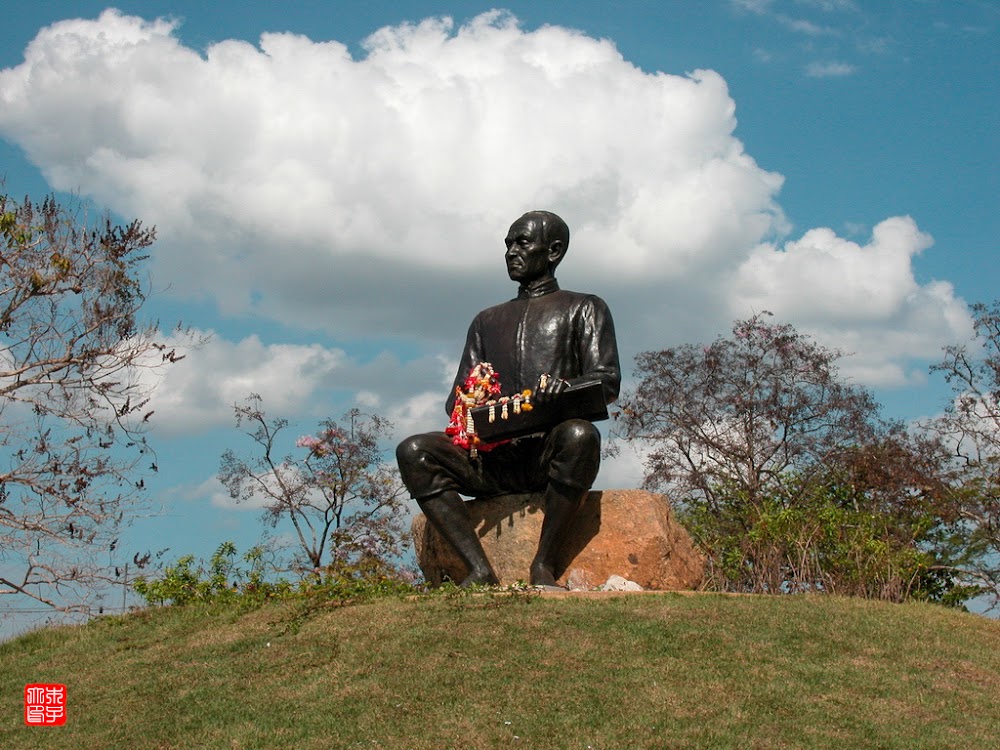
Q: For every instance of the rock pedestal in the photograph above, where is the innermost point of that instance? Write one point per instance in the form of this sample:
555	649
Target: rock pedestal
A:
629	533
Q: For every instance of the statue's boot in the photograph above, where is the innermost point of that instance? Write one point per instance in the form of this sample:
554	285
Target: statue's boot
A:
561	504
448	514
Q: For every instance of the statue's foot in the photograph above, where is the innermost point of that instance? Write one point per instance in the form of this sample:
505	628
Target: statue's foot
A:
542	574
480	578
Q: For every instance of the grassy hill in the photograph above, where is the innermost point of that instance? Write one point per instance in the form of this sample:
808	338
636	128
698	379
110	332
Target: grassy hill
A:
519	671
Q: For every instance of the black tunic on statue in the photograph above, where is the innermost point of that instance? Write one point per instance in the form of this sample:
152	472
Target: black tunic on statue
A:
545	329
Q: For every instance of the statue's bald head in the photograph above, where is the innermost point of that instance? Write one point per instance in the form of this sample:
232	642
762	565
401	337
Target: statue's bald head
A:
553	227
536	244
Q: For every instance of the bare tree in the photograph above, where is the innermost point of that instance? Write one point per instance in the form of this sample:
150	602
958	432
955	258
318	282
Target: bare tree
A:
743	412
785	473
73	410
344	503
970	425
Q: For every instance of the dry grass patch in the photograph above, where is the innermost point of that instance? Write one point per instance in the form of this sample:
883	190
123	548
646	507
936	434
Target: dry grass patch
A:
473	672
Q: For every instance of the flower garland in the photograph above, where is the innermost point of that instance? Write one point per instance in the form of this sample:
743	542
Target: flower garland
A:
481	388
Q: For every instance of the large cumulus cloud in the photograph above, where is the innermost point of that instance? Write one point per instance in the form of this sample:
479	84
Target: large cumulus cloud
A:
415	154
369	195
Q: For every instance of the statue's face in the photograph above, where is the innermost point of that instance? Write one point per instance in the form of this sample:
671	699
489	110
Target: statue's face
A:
528	257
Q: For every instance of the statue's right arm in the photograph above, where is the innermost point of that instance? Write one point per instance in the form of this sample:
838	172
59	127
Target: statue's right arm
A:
471	356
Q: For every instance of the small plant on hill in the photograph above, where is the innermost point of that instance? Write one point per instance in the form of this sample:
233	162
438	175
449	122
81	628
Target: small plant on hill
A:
223	580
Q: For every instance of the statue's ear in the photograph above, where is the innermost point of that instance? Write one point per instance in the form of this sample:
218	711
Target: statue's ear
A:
557	249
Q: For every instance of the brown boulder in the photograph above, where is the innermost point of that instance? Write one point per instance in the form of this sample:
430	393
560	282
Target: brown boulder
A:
630	533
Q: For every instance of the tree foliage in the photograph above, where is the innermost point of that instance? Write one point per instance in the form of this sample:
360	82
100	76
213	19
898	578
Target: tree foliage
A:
970	426
73	410
743	412
343	502
786	475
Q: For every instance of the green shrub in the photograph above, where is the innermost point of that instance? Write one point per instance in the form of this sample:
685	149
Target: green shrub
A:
222	580
824	542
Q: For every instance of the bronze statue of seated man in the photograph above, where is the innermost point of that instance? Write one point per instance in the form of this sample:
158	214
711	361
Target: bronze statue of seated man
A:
545	340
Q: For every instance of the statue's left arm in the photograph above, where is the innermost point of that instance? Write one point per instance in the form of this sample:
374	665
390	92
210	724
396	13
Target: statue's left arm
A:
598	347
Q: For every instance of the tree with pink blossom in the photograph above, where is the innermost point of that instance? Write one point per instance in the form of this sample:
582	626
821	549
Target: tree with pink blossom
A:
343	501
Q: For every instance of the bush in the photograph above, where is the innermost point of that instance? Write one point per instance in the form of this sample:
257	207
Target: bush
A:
824	542
222	580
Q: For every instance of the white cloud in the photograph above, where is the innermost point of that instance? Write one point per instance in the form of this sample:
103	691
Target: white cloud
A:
293	380
424	410
368	399
199	391
420	413
863	299
219	497
759	7
874	45
802	26
275	173
626	469
368	197
830	6
830	69
825	275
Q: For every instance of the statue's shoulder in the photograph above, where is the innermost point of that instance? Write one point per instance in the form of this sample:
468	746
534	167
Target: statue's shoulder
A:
492	315
570	294
497	310
582	298
565	299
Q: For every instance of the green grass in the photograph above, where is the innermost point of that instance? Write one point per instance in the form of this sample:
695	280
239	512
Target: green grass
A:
497	671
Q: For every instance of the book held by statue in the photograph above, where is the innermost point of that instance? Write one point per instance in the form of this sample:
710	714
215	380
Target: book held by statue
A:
578	401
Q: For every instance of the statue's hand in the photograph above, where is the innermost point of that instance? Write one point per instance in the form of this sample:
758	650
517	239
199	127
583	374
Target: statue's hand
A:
548	388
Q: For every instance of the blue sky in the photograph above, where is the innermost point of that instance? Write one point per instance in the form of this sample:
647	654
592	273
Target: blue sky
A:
331	197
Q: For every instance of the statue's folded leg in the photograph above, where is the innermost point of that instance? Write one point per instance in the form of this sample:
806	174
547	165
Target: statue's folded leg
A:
437	473
434	470
448	514
572	456
561	504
